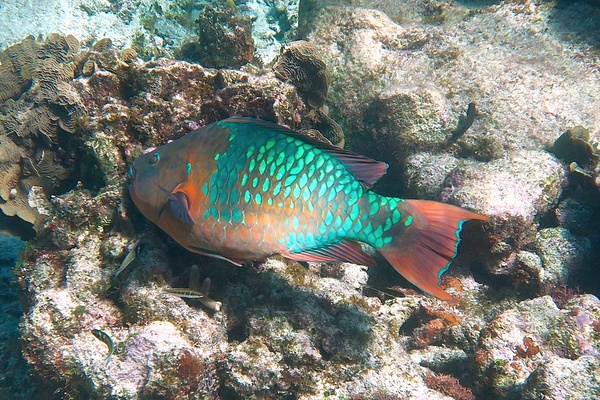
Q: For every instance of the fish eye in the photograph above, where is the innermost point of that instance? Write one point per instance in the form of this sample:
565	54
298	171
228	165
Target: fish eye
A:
155	157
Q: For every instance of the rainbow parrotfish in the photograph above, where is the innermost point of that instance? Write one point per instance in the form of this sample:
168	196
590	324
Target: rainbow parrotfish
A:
244	189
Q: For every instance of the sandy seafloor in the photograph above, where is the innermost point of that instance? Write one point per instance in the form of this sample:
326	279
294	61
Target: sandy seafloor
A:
522	113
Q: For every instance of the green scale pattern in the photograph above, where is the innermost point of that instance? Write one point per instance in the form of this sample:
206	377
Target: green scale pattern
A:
259	168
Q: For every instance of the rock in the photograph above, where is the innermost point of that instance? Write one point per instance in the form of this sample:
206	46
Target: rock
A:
426	175
373	58
563	255
506	190
503	189
533	334
578	216
409	119
558	377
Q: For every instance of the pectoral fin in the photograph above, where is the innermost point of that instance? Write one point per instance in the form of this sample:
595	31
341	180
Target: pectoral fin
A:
179	205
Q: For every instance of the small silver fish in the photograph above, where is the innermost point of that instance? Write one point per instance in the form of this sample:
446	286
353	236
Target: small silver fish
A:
128	260
196	291
184	292
106	340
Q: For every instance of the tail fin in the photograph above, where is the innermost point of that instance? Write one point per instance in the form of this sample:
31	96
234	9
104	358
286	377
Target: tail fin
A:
424	246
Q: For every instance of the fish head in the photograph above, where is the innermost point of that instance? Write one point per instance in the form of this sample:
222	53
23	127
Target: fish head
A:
155	174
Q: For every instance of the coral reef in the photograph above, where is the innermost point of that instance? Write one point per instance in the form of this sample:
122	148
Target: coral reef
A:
162	28
73	116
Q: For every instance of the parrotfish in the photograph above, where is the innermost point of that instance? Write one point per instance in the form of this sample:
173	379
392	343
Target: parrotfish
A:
244	189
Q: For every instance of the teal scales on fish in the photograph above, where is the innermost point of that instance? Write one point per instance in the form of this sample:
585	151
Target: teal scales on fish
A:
245	189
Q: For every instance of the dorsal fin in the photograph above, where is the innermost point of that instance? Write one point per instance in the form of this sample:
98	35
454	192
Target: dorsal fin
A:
366	170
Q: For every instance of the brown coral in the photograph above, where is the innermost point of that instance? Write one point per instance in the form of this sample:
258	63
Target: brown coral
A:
128	55
301	65
318	120
101	45
88	68
13	192
59	47
38	122
49	74
37	74
17	65
10	155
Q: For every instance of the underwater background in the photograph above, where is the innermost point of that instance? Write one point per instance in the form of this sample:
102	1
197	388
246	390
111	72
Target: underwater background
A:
488	105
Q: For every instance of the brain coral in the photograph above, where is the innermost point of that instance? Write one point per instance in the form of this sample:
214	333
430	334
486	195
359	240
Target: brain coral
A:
37	106
17	65
301	65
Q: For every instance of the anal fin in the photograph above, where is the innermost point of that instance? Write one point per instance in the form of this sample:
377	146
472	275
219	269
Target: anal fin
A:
345	251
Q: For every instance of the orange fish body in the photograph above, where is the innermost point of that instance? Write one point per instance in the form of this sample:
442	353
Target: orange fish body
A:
243	189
